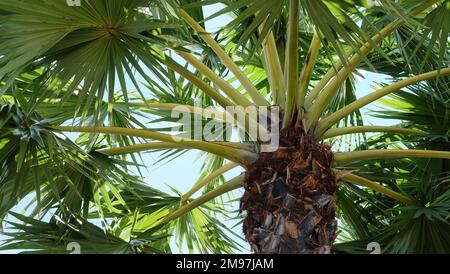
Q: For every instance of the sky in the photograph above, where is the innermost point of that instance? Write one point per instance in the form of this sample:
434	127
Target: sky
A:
183	172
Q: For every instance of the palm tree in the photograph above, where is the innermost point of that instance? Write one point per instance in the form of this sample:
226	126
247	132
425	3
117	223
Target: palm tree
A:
61	66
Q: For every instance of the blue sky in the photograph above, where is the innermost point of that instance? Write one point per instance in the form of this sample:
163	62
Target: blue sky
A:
183	172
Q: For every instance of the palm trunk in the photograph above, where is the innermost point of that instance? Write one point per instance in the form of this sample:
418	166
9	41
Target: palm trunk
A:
289	198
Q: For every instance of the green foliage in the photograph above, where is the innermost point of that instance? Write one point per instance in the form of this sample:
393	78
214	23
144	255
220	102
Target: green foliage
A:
99	64
56	236
88	49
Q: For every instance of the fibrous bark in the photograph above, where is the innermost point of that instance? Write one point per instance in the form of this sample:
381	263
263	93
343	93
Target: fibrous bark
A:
289	197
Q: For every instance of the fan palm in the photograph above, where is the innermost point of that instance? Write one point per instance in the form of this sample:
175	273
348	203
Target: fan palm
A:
61	66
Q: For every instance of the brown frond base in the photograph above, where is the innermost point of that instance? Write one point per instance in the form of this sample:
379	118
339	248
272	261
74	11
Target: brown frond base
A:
289	198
